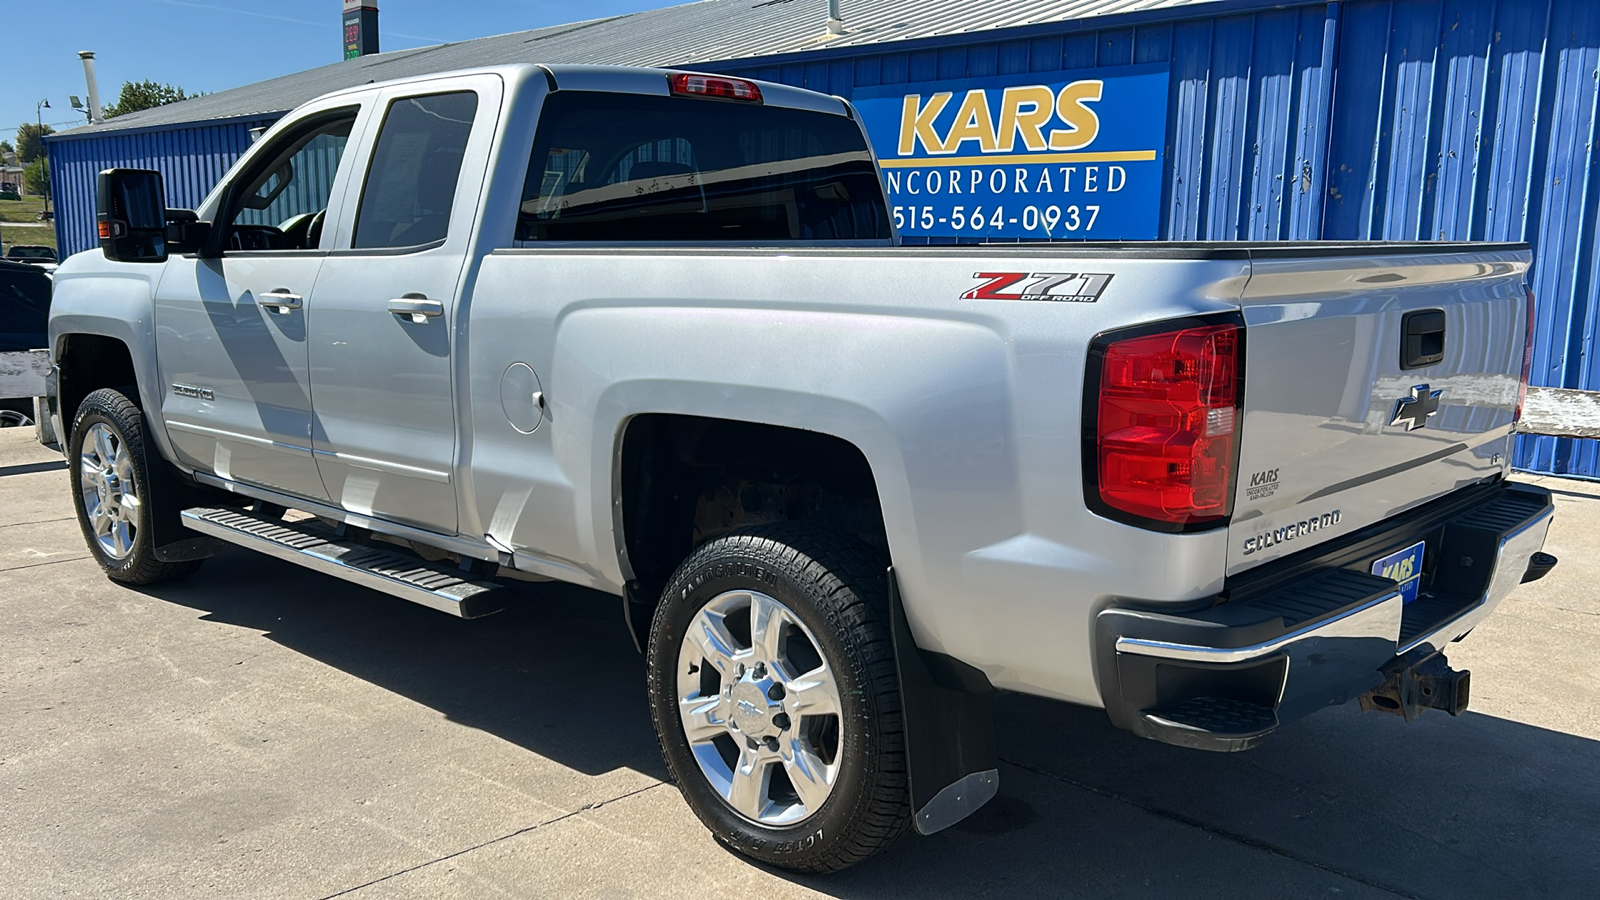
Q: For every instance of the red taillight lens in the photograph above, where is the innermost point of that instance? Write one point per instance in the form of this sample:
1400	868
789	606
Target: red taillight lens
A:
1527	361
1167	428
714	86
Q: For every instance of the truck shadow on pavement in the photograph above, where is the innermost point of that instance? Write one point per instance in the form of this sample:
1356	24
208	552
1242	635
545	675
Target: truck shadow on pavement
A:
1338	804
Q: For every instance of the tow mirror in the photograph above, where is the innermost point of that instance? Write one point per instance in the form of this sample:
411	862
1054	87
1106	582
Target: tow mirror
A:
131	214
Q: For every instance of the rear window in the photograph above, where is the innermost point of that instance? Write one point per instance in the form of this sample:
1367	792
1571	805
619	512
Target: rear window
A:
624	167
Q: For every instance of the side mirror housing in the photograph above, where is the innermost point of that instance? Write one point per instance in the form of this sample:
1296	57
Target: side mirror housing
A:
185	232
131	215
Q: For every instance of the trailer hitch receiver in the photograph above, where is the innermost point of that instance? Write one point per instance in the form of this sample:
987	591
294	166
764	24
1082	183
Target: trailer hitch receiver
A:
1416	686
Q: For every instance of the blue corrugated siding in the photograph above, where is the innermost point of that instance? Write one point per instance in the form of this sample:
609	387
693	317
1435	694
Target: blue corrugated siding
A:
1361	120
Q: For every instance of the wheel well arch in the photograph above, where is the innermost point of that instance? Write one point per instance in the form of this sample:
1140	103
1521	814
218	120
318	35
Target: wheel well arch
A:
682	480
86	363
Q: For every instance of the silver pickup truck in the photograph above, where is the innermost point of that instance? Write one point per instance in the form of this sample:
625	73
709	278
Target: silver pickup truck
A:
653	333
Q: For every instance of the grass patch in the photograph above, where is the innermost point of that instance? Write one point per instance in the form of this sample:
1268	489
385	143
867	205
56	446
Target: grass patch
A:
25	210
38	237
15	214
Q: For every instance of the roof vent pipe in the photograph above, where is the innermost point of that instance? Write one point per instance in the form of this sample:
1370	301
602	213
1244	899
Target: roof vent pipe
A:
835	20
94	89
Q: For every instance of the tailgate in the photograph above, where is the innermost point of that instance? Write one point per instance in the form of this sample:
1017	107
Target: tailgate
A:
1354	407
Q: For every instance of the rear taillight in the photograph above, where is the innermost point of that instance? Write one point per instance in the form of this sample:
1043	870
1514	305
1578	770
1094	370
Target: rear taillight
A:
1527	361
1163	444
714	86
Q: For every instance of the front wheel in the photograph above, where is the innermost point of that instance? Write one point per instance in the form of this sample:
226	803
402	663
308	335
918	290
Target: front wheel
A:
773	689
113	490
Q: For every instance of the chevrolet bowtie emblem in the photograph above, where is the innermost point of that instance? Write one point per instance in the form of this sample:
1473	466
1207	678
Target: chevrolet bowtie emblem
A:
1415	410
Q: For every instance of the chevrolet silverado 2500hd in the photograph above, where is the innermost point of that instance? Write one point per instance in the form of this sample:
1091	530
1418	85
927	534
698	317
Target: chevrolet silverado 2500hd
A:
652	332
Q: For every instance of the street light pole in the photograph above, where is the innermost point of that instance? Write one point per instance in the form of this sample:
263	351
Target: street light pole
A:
38	113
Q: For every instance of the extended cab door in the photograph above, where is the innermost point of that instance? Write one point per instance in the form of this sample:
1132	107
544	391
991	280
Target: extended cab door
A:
388	301
231	327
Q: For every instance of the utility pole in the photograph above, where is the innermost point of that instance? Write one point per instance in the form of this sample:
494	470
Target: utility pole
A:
38	118
94	87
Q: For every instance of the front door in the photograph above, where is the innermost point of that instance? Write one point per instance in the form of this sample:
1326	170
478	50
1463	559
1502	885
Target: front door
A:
231	329
386	309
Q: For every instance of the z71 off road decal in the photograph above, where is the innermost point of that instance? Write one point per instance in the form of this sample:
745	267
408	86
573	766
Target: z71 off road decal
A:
1062	287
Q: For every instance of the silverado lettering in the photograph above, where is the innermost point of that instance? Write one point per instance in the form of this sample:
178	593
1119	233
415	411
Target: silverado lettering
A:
1290	532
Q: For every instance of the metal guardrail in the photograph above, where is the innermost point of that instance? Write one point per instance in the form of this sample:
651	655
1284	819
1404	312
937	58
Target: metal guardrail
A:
22	375
1561	412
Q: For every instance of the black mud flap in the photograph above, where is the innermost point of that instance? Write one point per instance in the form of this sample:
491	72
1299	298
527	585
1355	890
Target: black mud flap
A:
171	541
948	716
638	606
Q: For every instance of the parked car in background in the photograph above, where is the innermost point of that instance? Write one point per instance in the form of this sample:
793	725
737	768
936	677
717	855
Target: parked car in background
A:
36	255
24	315
31	253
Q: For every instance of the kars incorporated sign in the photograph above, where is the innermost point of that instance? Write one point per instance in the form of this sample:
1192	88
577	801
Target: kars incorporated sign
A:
1039	155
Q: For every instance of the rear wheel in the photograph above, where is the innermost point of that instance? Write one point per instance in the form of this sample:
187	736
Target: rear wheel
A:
773	689
112	487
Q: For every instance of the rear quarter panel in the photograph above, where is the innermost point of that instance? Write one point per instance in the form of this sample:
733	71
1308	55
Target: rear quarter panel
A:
969	413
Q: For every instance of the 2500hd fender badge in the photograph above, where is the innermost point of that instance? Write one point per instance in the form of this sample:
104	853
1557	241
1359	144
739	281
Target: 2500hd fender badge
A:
1289	532
189	390
1062	287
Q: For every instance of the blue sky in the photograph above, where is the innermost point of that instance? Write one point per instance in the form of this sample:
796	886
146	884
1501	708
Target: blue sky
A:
213	45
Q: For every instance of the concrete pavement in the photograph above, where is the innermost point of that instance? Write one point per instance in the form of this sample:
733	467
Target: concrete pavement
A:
263	731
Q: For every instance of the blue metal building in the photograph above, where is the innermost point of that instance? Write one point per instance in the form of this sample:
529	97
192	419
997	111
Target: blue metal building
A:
1285	119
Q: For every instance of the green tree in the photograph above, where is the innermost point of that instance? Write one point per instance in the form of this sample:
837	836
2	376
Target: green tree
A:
37	177
29	147
5	147
137	95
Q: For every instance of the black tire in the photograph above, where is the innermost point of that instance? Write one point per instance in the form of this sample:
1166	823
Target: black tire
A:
139	566
838	589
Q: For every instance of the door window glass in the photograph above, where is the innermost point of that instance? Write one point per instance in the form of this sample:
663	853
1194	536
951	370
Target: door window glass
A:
411	184
285	204
627	167
24	308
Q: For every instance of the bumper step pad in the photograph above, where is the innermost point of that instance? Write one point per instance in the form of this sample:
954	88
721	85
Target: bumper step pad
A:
392	571
1212	723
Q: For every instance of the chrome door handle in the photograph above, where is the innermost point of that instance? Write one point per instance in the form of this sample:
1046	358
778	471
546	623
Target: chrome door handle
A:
279	301
417	306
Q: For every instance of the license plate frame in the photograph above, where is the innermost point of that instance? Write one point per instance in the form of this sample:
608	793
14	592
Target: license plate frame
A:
1404	567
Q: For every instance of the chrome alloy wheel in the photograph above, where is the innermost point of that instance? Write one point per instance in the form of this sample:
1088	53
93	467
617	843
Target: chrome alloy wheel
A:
760	707
108	492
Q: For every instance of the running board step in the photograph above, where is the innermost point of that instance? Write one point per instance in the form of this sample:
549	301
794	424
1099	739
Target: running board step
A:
392	571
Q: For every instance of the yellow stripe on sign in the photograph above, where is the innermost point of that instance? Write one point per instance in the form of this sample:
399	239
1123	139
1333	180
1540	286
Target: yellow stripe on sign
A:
1023	158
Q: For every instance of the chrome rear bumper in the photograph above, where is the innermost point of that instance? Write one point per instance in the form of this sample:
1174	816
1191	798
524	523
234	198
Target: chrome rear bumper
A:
1314	632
